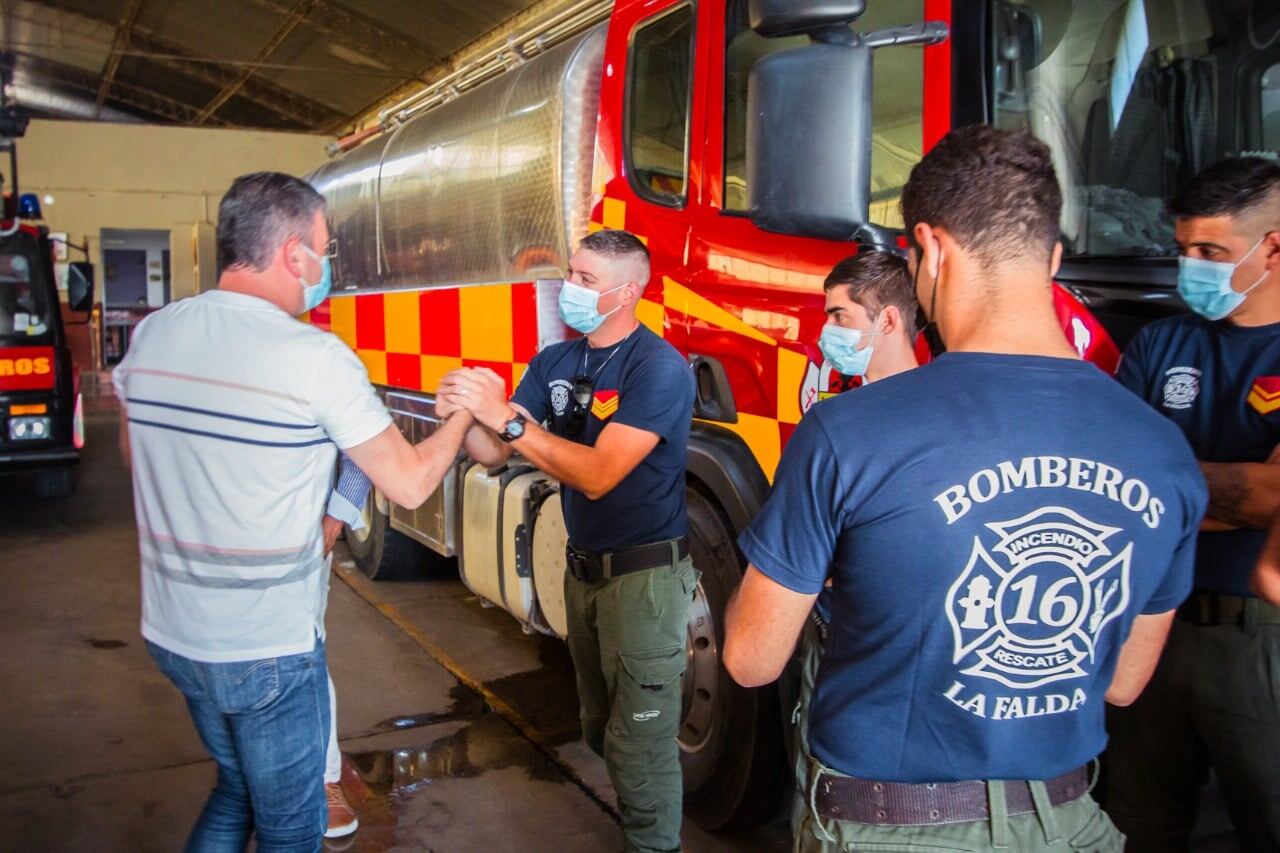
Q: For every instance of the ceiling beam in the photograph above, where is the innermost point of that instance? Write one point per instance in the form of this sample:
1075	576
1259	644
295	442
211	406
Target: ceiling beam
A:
291	21
119	43
292	107
128	94
357	32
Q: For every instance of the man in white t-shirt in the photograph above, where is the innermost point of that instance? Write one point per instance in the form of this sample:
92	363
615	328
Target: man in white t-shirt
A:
231	413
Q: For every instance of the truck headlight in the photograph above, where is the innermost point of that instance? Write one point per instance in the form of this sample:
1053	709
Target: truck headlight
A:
30	429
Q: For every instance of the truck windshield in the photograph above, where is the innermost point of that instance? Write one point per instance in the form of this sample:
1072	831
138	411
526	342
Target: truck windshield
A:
24	304
1134	99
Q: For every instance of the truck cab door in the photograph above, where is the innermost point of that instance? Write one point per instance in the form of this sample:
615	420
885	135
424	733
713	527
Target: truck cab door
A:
651	111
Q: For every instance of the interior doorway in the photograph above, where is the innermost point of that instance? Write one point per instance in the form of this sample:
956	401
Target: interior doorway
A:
135	282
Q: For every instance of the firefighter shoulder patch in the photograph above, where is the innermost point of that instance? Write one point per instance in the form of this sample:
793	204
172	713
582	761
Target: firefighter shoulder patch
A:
605	404
1264	396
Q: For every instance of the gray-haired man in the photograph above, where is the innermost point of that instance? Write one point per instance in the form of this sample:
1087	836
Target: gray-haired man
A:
232	409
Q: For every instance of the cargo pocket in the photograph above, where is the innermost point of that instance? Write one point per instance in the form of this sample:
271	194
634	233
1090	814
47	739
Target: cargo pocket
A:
647	704
689	577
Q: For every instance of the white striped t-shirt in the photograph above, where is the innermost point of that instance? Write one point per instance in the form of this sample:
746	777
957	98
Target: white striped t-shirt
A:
234	409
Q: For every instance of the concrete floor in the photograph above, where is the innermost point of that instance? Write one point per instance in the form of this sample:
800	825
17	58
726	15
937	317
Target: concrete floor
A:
98	753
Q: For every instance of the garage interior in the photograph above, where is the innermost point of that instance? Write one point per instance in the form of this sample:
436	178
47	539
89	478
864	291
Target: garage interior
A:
459	730
142	112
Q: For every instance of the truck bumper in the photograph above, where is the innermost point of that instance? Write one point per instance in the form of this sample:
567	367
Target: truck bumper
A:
23	461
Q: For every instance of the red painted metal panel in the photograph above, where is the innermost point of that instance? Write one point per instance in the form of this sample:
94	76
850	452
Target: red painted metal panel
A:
404	371
937	78
440	326
524	322
371	327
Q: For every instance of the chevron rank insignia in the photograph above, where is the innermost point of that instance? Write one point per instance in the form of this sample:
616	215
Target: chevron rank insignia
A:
605	404
1264	396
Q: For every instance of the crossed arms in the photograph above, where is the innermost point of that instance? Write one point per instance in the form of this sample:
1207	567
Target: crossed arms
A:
1242	494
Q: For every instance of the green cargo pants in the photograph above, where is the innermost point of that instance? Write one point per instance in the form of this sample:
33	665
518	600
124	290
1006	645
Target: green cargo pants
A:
811	647
627	638
1079	826
1214	701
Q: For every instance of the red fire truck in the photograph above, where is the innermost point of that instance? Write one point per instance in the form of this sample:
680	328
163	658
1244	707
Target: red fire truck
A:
41	415
750	144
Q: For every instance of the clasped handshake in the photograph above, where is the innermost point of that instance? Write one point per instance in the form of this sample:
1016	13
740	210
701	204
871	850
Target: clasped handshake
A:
478	391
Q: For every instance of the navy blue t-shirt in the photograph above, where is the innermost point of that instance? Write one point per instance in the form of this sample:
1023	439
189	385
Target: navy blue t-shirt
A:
993	524
642	382
1220	383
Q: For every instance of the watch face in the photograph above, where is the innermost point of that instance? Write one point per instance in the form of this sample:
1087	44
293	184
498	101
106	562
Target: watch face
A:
514	429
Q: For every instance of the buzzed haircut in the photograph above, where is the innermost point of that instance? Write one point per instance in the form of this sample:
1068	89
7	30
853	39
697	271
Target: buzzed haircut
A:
259	213
994	190
876	279
1241	187
616	243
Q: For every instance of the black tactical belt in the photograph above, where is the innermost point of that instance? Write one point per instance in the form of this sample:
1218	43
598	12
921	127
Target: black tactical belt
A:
1210	608
902	804
605	565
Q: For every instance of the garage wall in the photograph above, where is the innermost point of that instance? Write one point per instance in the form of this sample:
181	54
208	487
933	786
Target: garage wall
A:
141	176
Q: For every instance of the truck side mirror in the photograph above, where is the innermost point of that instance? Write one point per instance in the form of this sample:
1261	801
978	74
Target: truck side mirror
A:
809	139
80	286
773	18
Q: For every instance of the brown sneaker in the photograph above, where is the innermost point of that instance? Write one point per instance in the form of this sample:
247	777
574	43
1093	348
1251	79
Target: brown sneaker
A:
342	818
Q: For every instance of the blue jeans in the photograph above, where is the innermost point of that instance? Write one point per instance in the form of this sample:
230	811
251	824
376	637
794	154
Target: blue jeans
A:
266	724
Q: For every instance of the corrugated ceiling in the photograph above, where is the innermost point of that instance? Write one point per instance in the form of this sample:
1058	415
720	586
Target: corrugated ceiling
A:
308	65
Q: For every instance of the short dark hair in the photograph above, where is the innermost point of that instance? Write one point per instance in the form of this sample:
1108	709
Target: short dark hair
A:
615	243
1236	187
260	212
994	190
876	279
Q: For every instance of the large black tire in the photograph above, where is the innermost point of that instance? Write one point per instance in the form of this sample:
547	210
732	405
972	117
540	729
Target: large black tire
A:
385	554
731	738
55	483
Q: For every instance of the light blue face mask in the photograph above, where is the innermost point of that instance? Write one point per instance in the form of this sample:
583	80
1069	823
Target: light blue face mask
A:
1206	285
840	347
314	294
578	307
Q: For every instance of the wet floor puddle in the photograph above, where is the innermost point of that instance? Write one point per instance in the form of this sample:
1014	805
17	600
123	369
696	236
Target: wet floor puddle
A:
382	784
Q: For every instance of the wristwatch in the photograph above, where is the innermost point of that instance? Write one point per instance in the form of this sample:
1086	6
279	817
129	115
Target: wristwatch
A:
513	428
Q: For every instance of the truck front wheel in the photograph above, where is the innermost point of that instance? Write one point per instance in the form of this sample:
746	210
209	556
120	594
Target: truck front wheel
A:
55	483
382	553
731	738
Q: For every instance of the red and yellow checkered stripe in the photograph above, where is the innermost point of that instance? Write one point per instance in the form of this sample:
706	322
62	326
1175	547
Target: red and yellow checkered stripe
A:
410	339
